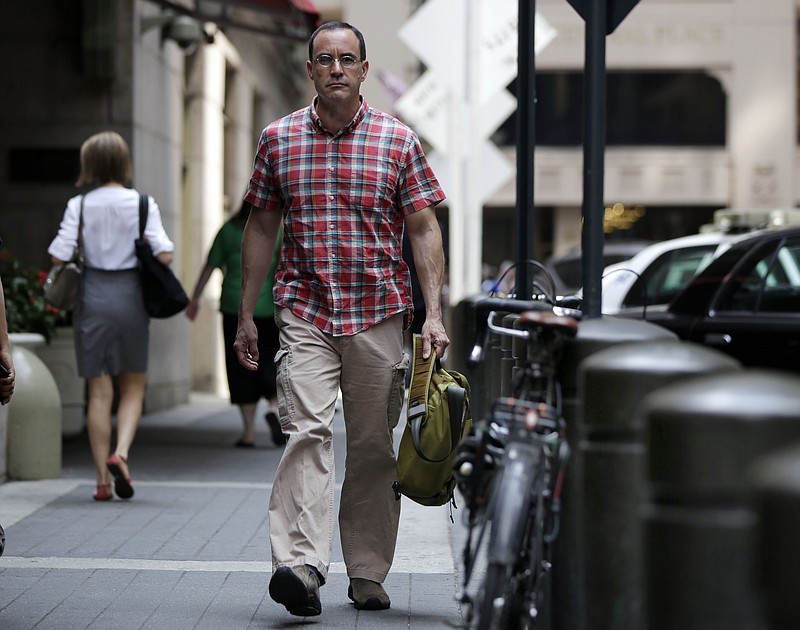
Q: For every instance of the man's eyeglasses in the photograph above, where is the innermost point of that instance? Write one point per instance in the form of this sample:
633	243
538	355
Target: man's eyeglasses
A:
345	61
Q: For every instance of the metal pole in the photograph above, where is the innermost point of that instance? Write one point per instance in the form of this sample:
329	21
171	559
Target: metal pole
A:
526	141
473	203
594	139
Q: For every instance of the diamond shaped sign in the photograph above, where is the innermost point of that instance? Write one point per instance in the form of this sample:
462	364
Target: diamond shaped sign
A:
426	107
445	51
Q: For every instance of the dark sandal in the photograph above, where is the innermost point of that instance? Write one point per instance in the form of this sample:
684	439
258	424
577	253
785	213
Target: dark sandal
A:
122	483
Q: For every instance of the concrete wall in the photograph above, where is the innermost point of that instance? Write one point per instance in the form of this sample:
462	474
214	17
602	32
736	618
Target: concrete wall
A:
192	122
749	47
234	89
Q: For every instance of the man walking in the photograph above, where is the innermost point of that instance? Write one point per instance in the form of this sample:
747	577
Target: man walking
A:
347	180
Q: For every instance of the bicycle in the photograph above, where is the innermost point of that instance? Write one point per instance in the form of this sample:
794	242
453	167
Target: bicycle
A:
510	470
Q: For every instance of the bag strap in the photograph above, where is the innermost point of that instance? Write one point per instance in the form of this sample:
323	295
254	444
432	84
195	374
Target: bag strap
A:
78	255
144	202
422	371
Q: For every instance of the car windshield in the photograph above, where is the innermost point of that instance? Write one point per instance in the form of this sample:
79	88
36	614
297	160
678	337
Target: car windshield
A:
768	282
568	267
668	274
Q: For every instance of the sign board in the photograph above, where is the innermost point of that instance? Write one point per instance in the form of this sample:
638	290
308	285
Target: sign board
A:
445	50
426	106
494	168
616	11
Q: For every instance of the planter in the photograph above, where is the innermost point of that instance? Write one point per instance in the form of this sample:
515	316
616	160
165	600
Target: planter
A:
59	356
34	414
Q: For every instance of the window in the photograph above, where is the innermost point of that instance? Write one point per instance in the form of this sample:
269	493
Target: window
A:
667	275
768	283
643	109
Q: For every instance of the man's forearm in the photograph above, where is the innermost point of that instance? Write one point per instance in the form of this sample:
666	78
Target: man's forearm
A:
258	244
429	262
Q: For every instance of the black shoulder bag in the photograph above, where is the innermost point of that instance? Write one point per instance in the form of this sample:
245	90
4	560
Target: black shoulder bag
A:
162	291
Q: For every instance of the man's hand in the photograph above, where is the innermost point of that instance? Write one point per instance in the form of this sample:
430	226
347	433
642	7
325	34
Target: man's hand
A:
6	382
246	344
434	336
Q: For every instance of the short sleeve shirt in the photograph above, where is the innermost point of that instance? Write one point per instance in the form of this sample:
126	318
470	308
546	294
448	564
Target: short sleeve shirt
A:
226	254
344	199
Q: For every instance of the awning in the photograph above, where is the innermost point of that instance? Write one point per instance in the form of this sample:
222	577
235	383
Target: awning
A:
290	11
290	19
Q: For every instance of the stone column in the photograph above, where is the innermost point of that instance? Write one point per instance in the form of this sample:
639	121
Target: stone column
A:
762	103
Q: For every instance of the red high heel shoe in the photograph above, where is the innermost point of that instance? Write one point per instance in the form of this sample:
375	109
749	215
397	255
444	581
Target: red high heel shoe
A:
118	467
103	492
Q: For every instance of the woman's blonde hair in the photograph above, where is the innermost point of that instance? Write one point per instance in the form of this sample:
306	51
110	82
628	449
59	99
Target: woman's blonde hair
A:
105	158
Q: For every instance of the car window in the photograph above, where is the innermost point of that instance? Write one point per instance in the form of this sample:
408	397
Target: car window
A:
570	270
667	275
769	282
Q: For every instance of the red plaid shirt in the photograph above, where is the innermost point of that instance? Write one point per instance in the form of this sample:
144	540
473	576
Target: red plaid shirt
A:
344	198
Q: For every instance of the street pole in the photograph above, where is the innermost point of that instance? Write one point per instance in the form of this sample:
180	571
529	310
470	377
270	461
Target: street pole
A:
526	142
473	204
594	140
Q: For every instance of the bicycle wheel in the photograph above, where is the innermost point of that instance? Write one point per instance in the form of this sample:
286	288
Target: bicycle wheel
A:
501	602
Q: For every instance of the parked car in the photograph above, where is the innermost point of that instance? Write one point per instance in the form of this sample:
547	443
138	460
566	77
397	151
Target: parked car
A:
565	269
658	273
746	302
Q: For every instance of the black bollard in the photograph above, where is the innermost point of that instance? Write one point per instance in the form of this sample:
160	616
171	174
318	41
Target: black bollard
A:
508	361
775	499
569	596
493	359
698	528
612	384
461	330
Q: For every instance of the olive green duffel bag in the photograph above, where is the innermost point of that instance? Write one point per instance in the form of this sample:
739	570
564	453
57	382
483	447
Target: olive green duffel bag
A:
438	418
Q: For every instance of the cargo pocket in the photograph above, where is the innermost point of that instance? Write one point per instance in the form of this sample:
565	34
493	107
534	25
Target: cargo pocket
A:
398	391
283	364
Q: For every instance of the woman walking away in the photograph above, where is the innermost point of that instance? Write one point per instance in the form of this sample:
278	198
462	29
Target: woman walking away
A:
6	376
110	324
246	387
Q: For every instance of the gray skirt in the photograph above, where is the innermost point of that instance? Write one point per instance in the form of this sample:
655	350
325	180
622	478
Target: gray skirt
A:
111	327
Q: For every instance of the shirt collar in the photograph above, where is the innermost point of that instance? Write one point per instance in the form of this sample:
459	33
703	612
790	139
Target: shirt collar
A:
317	122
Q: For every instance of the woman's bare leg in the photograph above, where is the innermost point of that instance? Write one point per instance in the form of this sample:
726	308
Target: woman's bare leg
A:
129	412
101	398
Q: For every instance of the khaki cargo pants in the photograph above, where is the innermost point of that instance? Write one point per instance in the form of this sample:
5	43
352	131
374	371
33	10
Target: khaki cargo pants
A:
369	367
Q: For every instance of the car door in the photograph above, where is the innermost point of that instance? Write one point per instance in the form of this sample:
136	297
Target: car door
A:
755	314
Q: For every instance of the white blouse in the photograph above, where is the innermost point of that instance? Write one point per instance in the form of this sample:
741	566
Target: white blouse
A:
110	226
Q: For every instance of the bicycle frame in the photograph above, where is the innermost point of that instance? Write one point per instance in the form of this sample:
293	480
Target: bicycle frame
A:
510	474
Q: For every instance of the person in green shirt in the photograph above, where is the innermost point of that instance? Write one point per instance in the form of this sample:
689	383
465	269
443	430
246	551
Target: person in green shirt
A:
246	387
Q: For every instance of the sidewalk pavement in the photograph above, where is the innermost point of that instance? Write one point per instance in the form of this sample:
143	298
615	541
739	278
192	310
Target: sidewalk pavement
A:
191	548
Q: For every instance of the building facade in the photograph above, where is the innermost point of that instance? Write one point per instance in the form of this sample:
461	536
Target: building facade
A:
190	103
